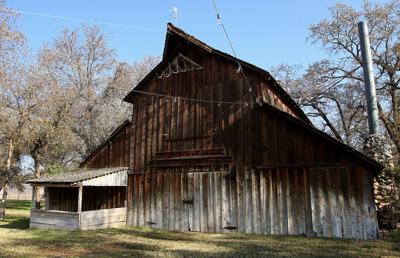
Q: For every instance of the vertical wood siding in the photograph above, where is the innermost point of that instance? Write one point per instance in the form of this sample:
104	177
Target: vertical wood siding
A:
199	166
289	201
115	152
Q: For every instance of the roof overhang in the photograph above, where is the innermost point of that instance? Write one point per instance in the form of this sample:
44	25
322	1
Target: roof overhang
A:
89	177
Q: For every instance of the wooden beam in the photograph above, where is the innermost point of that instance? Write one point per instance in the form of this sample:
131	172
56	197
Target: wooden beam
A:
80	198
33	196
47	196
315	165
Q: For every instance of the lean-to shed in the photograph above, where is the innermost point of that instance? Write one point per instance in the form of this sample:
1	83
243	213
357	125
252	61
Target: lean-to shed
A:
85	199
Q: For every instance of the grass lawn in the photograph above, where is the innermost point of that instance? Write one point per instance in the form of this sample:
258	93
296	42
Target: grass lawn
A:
16	240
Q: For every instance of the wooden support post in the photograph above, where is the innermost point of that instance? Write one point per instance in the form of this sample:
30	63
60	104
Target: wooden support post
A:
33	197
80	198
47	196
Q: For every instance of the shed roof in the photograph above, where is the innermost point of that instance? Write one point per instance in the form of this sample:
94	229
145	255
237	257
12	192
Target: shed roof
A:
77	176
377	167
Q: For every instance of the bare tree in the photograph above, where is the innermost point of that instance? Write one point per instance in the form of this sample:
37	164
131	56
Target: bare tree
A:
11	44
82	62
331	91
336	109
338	35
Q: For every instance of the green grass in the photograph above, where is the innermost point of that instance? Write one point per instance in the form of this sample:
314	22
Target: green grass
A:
16	240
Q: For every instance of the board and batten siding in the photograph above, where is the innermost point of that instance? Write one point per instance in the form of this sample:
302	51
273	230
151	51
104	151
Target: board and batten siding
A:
286	201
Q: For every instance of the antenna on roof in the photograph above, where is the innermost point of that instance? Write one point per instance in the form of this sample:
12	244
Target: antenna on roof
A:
175	15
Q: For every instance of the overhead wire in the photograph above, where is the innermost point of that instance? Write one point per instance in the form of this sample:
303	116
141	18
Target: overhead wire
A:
175	98
240	69
67	18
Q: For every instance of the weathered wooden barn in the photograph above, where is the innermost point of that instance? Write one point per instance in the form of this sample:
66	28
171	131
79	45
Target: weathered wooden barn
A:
216	145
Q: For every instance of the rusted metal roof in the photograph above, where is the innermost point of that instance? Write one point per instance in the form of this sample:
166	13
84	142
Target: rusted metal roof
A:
77	176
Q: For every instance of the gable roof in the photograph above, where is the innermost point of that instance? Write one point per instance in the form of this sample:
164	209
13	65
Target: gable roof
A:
77	176
121	127
176	33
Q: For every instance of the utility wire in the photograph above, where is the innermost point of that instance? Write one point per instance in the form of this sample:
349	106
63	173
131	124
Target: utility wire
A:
66	18
219	19
175	98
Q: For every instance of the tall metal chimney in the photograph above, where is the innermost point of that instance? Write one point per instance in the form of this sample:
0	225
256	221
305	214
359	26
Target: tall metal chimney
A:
368	78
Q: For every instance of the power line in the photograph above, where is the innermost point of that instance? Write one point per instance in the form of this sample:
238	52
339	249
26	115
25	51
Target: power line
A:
175	98
219	19
67	18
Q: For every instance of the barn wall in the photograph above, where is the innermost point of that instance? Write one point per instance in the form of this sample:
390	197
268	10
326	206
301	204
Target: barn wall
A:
114	153
291	201
158	194
164	124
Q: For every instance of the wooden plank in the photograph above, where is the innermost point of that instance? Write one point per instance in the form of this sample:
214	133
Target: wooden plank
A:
325	204
369	204
256	225
274	204
185	204
159	200
197	202
171	191
165	201
284	202
307	204
204	198
263	210
248	212
211	202
267	196
359	203
315	203
290	202
178	202
80	198
219	220
191	206
345	201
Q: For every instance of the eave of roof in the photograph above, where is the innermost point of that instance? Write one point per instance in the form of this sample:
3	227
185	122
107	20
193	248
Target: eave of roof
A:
171	29
77	176
376	166
122	126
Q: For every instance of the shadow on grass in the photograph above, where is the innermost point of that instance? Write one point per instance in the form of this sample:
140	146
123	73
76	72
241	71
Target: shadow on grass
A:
145	242
15	223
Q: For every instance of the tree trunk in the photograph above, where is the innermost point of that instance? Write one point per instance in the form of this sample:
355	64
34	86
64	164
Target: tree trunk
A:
3	200
37	175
